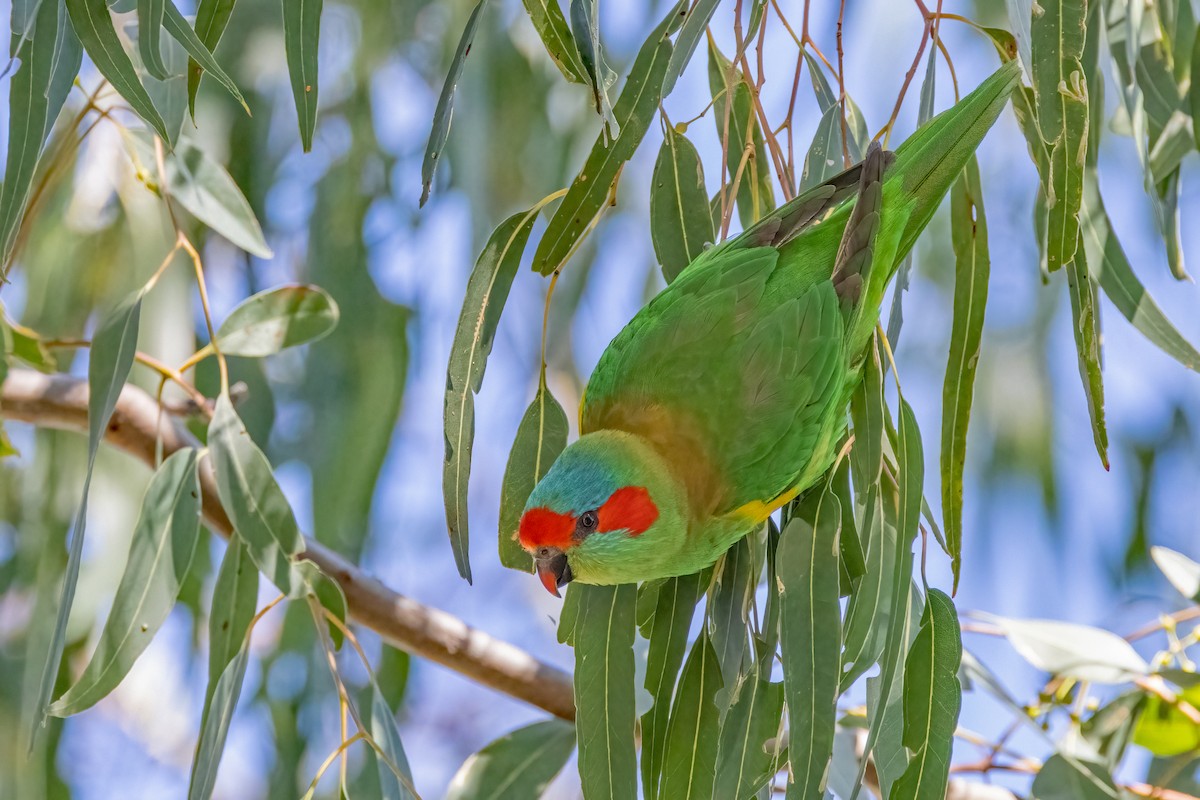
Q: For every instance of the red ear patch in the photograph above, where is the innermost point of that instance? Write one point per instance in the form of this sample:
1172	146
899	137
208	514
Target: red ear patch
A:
629	509
541	527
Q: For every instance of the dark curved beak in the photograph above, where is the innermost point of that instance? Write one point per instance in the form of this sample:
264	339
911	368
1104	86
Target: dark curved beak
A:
554	572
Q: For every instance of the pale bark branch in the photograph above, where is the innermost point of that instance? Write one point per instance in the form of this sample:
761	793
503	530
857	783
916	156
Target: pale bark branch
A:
60	401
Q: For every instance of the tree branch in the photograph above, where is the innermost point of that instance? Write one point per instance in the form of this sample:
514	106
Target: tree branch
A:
60	401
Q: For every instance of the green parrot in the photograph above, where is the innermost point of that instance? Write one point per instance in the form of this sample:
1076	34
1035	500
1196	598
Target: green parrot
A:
725	397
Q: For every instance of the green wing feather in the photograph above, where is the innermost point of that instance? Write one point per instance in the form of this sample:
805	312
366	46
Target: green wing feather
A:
739	372
726	376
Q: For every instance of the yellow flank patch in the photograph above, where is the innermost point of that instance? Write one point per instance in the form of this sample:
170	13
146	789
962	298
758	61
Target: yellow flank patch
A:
757	511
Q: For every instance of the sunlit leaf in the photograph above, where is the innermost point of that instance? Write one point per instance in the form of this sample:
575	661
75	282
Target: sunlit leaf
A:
691	755
34	99
635	109
680	224
275	319
669	622
94	26
215	725
29	347
541	436
1181	571
1073	651
445	105
160	554
487	290
113	348
516	766
260	513
212	17
1060	92
301	32
691	32
604	690
810	615
551	25
1164	729
972	266
932	699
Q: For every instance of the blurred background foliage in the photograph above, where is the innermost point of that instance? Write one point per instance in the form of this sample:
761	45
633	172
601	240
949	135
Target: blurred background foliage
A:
352	422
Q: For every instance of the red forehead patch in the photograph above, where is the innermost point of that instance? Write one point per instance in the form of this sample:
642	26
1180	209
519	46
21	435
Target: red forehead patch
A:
541	527
628	509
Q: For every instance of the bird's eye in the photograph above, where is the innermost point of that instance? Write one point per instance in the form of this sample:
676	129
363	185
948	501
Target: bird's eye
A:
589	521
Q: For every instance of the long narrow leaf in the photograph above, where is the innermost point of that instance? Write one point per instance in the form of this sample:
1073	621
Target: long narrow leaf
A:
690	33
589	191
234	599
150	19
752	719
1085	323
33	103
487	290
301	32
212	17
541	436
968	229
160	554
932	699
691	757
112	352
670	621
518	765
260	512
94	26
680	224
215	726
604	634
808	580
199	54
445	105
551	25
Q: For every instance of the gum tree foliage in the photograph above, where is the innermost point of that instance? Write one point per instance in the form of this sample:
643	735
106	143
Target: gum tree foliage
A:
815	657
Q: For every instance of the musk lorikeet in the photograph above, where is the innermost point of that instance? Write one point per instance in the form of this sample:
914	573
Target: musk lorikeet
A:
725	397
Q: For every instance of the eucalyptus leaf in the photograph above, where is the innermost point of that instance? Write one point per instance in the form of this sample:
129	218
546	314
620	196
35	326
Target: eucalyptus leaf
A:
234	601
604	690
810	616
1181	571
150	19
972	267
94	27
1061	778
589	192
113	348
261	515
541	436
206	190
276	319
445	105
395	775
668	626
215	724
932	700
160	554
680	224
691	752
1075	651
695	23
487	290
301	32
1165	730
752	720
516	766
551	25
46	55
199	54
212	17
